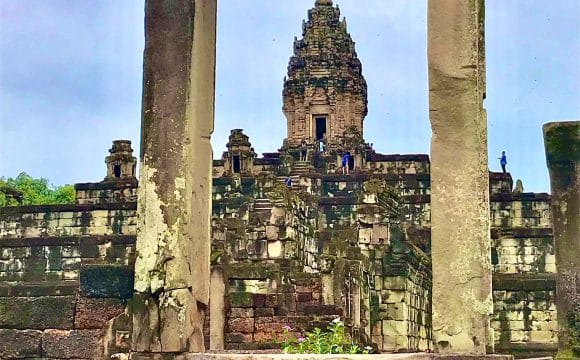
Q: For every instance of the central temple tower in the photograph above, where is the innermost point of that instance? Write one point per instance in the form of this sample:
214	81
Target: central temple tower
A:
325	92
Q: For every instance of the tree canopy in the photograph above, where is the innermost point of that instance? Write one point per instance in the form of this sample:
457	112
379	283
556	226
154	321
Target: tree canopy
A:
26	190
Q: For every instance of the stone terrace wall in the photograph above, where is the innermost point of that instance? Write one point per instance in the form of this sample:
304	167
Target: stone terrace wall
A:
263	240
403	296
119	190
524	268
66	272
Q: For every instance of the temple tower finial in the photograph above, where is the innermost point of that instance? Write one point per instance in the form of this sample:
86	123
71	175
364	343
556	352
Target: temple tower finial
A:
325	92
323	2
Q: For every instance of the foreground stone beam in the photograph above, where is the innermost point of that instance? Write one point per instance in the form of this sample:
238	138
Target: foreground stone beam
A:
460	241
562	144
173	233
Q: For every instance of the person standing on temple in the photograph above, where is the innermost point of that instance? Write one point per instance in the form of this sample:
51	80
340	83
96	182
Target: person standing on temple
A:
503	161
303	151
345	159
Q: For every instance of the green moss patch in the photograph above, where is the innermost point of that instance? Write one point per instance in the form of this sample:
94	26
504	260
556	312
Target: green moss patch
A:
107	281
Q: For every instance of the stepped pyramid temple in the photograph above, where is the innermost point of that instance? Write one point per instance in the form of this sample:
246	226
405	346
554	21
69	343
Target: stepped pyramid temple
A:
297	239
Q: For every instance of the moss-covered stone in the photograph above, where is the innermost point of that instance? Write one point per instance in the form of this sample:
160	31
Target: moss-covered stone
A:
240	299
45	312
106	281
254	271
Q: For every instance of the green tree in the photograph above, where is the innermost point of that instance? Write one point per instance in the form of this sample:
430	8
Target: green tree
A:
26	190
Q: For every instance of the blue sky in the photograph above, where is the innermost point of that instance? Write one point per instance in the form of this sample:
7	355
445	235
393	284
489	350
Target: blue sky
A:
70	78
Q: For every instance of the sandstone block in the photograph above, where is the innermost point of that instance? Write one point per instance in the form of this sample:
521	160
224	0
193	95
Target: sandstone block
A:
394	328
55	312
392	296
275	249
264	312
543	336
395	283
20	343
241	325
181	321
234	337
272	232
96	313
241	312
106	281
67	344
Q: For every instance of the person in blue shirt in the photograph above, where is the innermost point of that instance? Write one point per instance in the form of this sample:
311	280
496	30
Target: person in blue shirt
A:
503	161
345	159
288	181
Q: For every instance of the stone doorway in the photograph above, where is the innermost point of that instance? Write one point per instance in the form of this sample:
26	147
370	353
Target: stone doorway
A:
320	127
236	161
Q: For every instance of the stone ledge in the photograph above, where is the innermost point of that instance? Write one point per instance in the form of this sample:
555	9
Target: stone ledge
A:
47	312
16	344
26	209
521	232
263	356
375	157
106	281
67	240
58	288
524	282
364	177
109	185
520	197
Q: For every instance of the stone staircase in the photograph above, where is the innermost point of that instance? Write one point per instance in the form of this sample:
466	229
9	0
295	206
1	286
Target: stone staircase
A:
295	179
300	168
262	205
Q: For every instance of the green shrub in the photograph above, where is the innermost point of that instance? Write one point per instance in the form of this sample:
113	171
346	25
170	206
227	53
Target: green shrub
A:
26	190
332	341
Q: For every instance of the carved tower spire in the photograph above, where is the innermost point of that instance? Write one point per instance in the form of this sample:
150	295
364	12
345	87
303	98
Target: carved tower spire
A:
325	92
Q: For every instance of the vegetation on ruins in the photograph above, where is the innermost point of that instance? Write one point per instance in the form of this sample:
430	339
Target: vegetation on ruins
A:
333	340
26	190
574	324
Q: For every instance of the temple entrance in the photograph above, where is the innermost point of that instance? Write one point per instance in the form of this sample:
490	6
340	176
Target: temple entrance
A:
351	162
236	163
320	127
117	171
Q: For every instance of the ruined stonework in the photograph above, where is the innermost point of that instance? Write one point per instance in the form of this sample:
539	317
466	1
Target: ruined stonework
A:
325	92
562	143
459	177
66	275
173	238
121	164
298	253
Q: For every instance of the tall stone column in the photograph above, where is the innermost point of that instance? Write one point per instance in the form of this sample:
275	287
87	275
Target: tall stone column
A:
172	268
460	239
562	143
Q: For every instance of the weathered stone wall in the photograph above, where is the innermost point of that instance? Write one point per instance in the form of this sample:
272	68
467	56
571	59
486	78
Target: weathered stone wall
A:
524	269
524	320
342	239
66	273
520	210
523	250
562	144
124	190
67	220
403	293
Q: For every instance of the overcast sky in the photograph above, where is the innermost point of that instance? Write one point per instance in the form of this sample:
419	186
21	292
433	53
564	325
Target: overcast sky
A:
71	73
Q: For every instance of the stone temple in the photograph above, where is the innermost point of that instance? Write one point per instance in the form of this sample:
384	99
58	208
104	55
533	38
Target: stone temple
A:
295	239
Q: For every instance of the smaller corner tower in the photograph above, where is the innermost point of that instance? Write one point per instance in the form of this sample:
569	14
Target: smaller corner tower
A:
325	92
240	156
121	164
